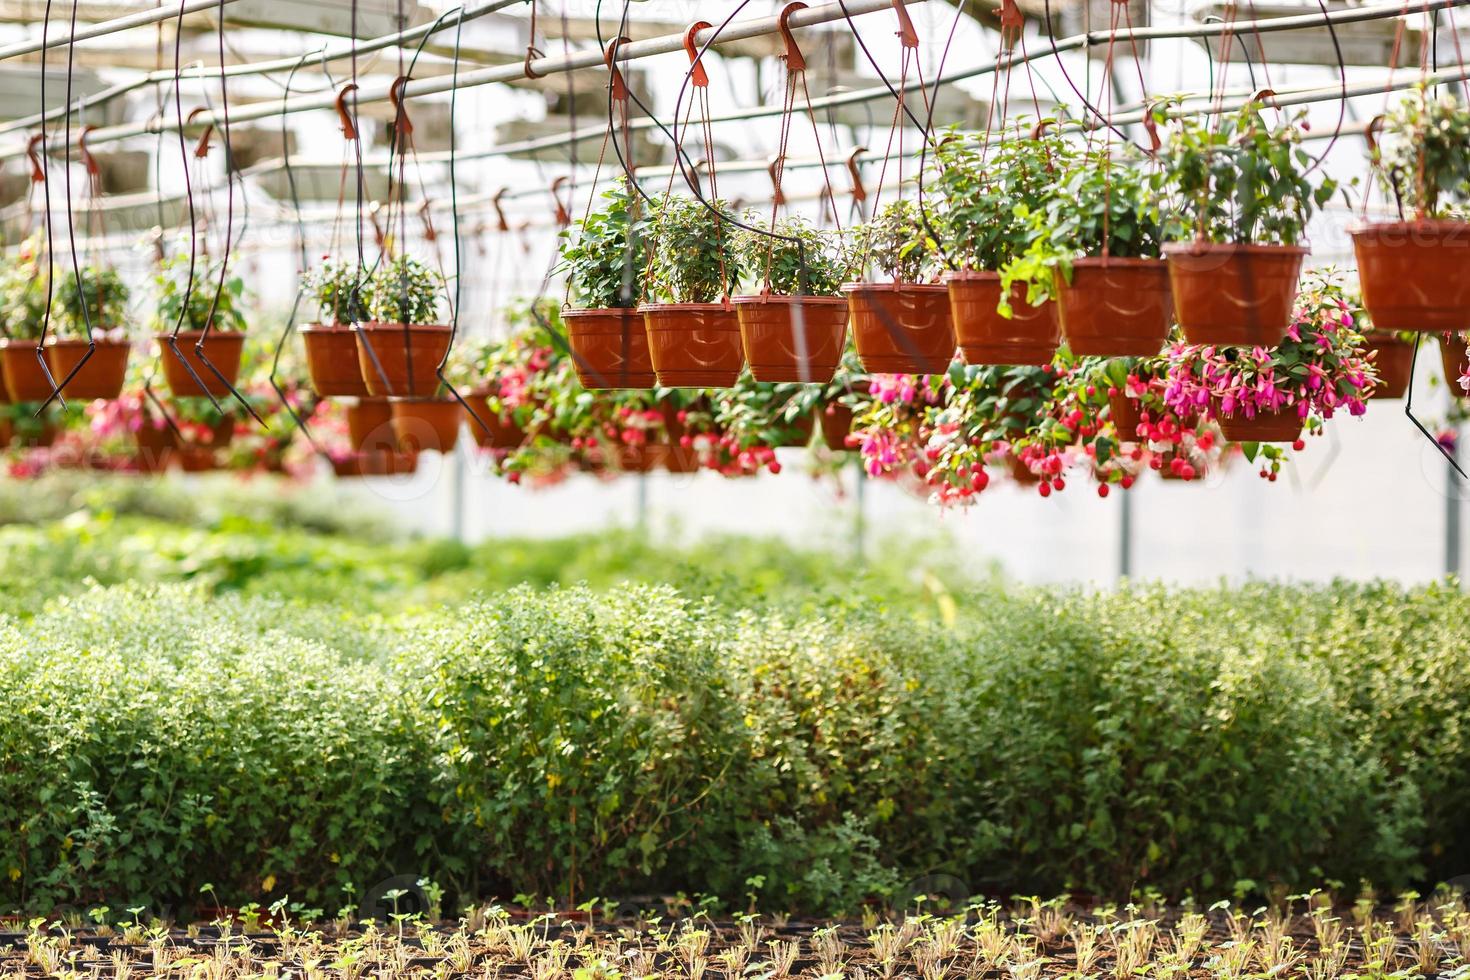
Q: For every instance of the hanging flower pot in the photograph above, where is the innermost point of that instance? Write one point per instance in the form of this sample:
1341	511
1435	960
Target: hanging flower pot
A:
1394	358
377	462
1127	415
332	361
25	379
836	422
156	445
1115	307
370	425
1413	273
901	328
499	431
609	348
1029	336
1231	295
681	459
198	459
1454	356
795	339
694	345
224	350
102	376
427	423
795	434
401	360
1283	425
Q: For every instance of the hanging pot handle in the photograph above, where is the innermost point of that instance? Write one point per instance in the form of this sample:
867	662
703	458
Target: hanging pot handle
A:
616	83
349	131
859	192
38	172
793	57
697	75
907	36
201	148
563	217
500	223
402	125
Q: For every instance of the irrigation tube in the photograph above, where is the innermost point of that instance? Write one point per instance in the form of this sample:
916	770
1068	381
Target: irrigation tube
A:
648	48
142	19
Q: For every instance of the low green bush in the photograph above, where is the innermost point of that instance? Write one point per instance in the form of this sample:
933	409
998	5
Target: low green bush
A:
633	741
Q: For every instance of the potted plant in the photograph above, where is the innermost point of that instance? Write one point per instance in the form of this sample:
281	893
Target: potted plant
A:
188	306
23	285
97	298
400	346
793	330
204	433
331	346
603	259
1246	201
1413	270
1393	357
693	331
1271	394
987	201
1095	246
901	326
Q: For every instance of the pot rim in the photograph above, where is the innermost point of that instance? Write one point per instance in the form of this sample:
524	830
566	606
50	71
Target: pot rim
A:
1361	226
690	307
325	328
970	275
194	334
892	287
379	325
394	400
54	341
786	299
620	311
1103	262
1196	247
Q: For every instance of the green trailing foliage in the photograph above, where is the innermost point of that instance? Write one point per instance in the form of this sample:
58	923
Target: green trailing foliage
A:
1421	157
605	256
404	290
794	258
634	741
694	257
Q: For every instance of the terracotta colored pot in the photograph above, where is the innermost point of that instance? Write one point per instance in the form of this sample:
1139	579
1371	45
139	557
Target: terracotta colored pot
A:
1022	473
503	432
800	432
370	425
155	447
393	347
1394	359
223	348
1283	426
4	387
198	459
377	462
427	423
694	345
1127	415
1115	307
901	328
1415	275
1454	355
609	348
681	459
102	376
331	361
24	378
771	326
1030	336
836	420
1234	295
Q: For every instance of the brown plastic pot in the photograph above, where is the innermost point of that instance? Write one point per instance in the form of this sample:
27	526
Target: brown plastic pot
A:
1030	336
1283	426
694	345
836	421
799	432
609	348
1127	416
792	338
1415	275
427	423
901	328
331	361
377	462
370	425
385	351
681	459
1454	356
1115	307
102	376
155	446
24	377
224	349
1394	359
198	459
1233	295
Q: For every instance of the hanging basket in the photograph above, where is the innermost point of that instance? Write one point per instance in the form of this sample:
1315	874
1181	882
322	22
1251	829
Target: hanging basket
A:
609	348
377	462
681	459
1283	426
102	376
24	377
1454	356
1233	295
1415	275
1030	336
370	425
401	360
224	350
901	328
694	345
198	459
156	445
331	361
1115	307
1127	416
503	433
799	433
1394	359
792	338
836	421
427	423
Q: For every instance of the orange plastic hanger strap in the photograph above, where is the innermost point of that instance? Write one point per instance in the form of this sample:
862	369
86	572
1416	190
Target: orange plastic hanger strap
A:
349	131
401	123
563	218
859	192
616	82
201	149
777	197
38	170
697	74
907	36
88	160
795	61
500	223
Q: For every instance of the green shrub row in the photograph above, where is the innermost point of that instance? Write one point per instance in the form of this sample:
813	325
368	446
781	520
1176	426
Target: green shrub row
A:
563	742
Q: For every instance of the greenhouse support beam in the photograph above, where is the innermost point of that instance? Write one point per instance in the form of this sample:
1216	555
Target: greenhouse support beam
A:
141	19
